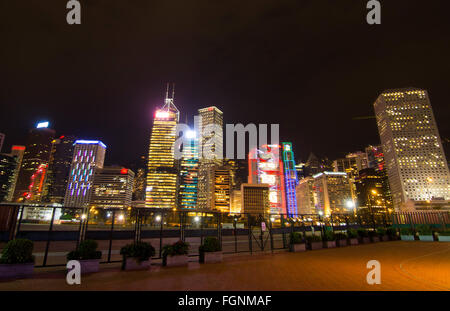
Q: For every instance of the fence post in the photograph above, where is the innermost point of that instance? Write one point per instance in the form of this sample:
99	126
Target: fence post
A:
282	230
270	232
15	231
111	235
249	225
48	237
161	234
219	228
235	234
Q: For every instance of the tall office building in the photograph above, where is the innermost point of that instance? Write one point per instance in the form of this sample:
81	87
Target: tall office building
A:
375	158
290	179
255	199
305	196
188	191
371	197
351	164
17	152
112	187
88	156
209	123
162	174
59	169
332	193
415	160
266	167
222	189
2	140
35	160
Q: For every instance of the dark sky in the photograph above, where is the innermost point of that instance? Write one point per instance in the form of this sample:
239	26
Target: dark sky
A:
311	66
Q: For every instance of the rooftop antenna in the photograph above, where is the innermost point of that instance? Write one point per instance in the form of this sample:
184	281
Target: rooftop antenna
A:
173	91
167	90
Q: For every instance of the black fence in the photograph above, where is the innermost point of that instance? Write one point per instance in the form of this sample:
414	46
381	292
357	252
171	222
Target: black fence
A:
58	230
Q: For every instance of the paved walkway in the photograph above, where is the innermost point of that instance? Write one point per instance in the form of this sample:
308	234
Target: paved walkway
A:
404	266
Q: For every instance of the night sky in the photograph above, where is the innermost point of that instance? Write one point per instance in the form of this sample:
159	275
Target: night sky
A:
311	66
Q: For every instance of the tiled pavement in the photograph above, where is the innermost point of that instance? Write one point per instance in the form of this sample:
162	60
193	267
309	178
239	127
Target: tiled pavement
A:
404	266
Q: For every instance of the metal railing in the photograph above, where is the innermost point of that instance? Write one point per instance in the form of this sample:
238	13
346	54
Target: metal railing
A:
58	230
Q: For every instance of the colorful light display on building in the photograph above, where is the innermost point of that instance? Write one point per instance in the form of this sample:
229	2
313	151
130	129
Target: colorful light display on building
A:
290	179
188	192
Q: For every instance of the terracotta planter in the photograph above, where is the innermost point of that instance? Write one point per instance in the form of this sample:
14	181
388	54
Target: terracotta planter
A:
407	237
89	265
353	241
211	257
315	245
427	238
341	243
11	271
444	238
132	264
175	261
298	247
330	244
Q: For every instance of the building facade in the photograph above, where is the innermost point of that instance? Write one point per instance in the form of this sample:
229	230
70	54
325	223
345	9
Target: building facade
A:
30	181
88	156
371	198
415	161
332	191
162	172
255	199
305	196
222	189
188	191
112	188
8	165
290	179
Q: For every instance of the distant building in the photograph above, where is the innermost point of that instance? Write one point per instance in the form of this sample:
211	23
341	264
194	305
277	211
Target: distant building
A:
290	179
17	152
188	190
2	140
376	161
210	126
59	169
415	161
88	156
351	164
112	188
140	179
255	199
238	171
370	193
333	193
30	182
305	196
222	189
236	202
312	165
301	170
8	164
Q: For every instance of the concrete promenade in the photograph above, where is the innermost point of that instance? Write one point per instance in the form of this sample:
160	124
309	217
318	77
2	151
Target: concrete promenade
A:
404	266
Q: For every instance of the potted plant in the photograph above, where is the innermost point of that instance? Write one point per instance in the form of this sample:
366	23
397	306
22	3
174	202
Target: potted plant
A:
444	236
210	251
352	237
392	233
341	239
296	242
382	234
17	259
175	254
425	233
88	256
314	242
137	256
373	236
406	234
363	236
329	239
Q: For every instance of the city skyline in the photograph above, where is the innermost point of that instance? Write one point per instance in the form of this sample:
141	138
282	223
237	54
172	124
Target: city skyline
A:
239	63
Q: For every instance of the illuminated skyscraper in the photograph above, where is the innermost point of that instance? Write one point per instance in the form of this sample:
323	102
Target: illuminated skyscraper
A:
371	197
112	187
415	160
222	189
161	189
188	191
8	164
266	167
59	169
17	152
305	196
210	125
88	156
30	182
290	179
255	199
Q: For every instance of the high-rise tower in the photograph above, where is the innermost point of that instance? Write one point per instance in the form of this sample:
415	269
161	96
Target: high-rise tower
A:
290	179
188	191
415	160
88	156
161	189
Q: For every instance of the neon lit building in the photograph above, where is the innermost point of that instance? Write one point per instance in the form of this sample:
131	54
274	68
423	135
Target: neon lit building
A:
34	164
222	189
266	167
88	156
162	175
415	161
188	191
290	179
